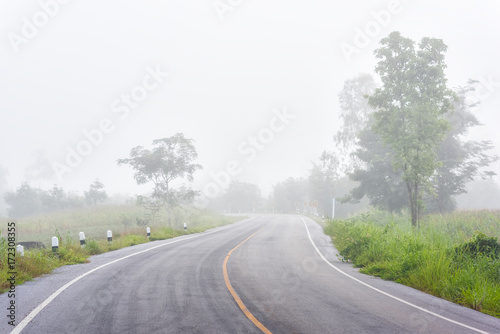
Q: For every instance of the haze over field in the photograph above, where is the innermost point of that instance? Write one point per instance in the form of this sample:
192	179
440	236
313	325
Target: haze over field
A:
251	162
254	83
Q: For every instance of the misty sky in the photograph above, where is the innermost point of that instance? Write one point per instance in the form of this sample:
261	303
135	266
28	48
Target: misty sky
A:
221	72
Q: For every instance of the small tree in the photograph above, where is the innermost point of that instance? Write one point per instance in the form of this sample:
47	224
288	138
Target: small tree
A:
170	159
96	194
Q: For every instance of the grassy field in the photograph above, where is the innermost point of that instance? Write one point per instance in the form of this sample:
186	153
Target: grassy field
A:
96	220
454	256
127	222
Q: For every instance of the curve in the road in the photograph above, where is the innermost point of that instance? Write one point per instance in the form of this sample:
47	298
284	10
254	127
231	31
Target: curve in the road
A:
282	275
237	298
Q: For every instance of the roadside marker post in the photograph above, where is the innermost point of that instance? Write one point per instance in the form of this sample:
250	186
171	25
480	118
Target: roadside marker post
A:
148	232
82	239
20	249
55	244
110	236
185	227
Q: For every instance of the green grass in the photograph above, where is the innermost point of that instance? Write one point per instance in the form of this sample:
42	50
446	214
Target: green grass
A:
126	222
454	256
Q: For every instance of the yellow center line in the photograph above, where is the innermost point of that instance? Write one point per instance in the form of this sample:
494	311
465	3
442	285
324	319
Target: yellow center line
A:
235	295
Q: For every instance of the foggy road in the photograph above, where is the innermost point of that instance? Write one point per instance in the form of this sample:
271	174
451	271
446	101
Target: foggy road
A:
270	262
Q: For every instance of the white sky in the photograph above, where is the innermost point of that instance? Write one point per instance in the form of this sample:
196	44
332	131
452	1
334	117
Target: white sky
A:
225	77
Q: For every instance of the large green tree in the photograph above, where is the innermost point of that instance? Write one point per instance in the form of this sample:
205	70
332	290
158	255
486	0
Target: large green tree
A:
461	161
169	160
410	108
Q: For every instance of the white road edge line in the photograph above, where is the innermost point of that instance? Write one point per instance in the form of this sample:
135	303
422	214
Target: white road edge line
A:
40	307
385	293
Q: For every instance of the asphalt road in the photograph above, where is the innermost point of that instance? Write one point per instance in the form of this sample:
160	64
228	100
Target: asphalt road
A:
278	274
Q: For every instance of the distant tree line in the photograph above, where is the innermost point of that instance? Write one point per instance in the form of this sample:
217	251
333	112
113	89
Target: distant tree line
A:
27	200
240	197
314	194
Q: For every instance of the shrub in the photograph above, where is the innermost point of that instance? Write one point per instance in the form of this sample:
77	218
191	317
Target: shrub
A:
451	256
480	245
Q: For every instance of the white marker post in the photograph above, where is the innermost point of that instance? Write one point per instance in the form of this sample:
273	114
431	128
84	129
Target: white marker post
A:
110	236
185	227
55	244
333	208
20	249
148	232
82	239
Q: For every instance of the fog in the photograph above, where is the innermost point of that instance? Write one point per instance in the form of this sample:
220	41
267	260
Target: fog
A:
254	83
